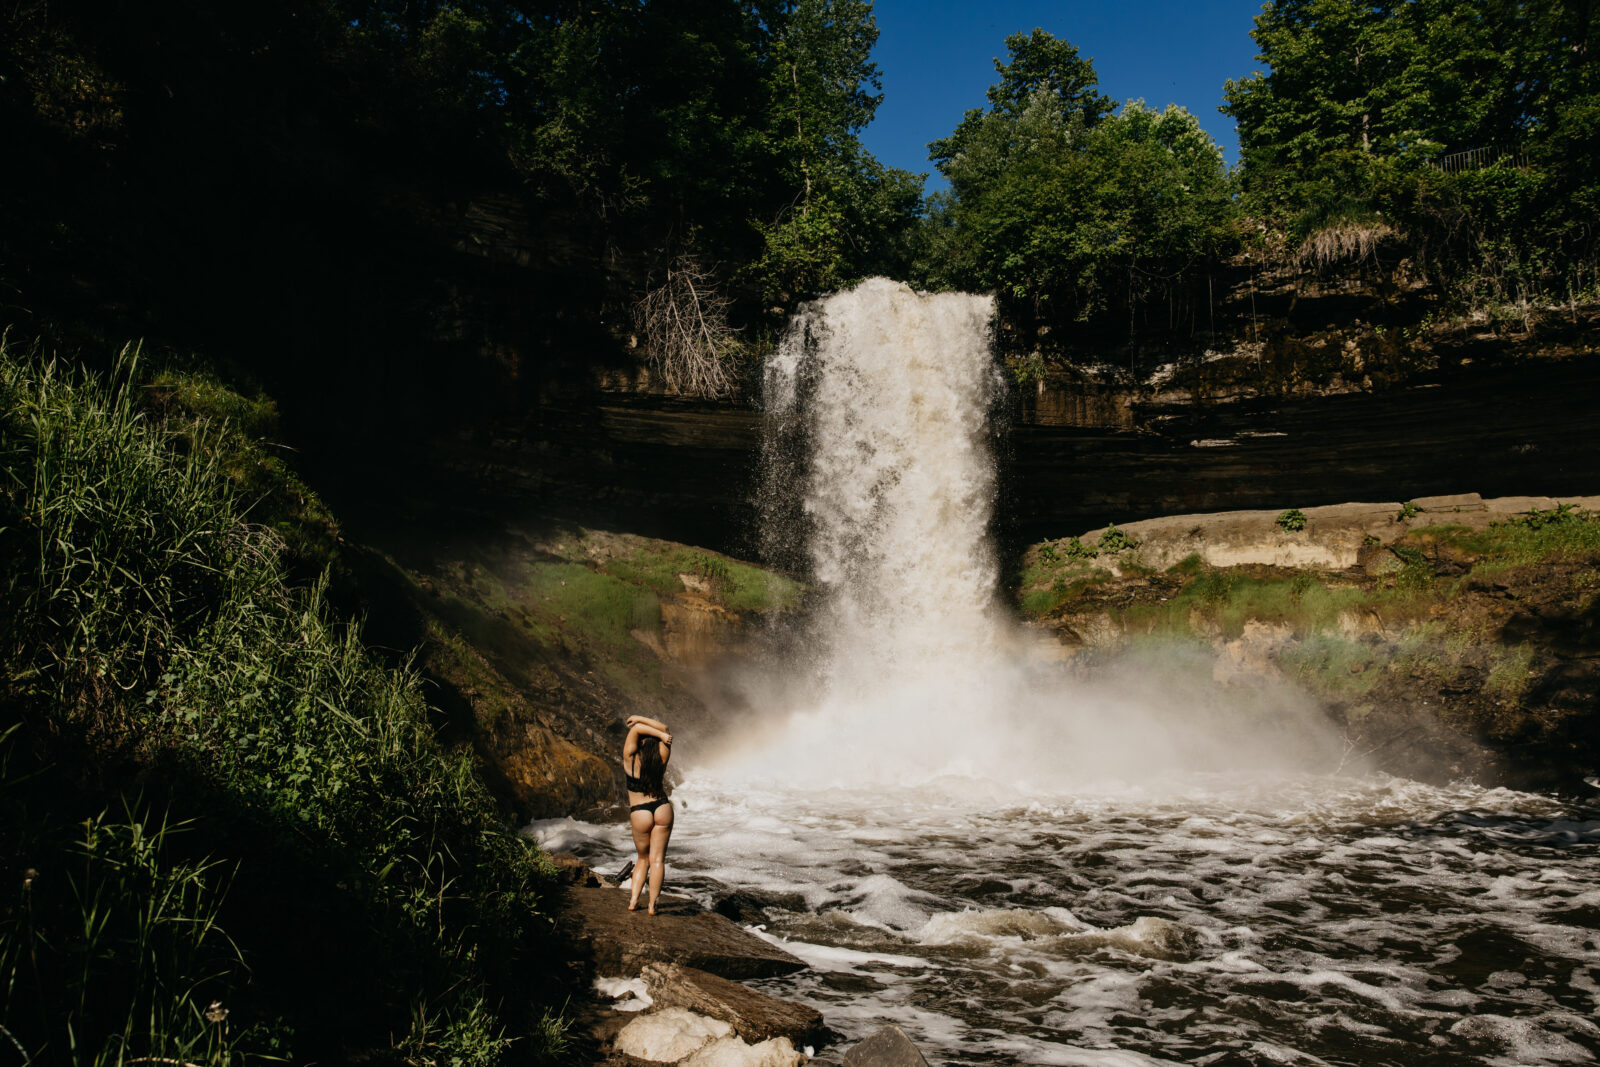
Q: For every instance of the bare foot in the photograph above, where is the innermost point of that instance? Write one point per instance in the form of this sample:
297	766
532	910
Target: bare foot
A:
652	911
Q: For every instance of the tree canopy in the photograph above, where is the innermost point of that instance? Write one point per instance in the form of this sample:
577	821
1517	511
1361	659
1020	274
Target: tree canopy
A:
1067	206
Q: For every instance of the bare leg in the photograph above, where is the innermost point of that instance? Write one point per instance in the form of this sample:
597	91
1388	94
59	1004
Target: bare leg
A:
641	822
660	834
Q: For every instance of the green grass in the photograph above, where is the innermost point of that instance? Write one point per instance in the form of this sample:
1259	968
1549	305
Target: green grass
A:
1224	600
1045	585
1562	532
741	587
1508	679
1332	664
156	645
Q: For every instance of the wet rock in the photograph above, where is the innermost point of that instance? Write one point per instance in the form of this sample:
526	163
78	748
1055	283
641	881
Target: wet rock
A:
889	1047
754	1016
676	1035
669	1035
749	906
622	942
573	871
696	629
1249	658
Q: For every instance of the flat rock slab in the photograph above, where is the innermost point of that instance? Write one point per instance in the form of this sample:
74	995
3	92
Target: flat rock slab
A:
1333	538
754	1015
889	1047
622	942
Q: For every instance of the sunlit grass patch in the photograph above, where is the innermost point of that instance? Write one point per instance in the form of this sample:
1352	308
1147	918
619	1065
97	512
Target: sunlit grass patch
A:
1560	532
741	587
1332	663
1226	599
1045	586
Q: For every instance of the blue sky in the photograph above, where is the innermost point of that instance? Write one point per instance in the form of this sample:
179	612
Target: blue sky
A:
937	58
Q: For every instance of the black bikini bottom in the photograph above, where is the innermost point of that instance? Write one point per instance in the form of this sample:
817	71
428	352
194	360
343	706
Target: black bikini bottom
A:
649	805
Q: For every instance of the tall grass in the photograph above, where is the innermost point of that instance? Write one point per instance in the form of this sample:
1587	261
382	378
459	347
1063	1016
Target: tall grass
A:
151	639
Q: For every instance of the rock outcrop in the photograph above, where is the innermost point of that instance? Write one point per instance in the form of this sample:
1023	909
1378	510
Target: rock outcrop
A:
1445	637
888	1047
754	1015
623	942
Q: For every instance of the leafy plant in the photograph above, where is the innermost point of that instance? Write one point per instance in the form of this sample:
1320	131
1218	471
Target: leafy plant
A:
1408	510
1115	540
1291	521
1561	514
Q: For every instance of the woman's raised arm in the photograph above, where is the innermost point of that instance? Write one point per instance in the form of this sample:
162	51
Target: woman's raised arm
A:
646	720
631	745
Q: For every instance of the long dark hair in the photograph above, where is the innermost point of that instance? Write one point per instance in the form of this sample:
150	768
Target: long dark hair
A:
652	772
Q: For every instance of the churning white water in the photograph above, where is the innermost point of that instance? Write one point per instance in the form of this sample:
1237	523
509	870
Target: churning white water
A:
1020	866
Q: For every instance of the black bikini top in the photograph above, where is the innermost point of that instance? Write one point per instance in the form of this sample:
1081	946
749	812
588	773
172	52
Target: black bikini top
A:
634	784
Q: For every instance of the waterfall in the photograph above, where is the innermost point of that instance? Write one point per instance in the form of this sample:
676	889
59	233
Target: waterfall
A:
880	485
888	394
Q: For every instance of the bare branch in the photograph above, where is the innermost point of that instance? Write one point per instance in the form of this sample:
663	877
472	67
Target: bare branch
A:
683	326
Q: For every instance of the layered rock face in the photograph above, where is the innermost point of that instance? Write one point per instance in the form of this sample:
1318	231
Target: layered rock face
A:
1076	454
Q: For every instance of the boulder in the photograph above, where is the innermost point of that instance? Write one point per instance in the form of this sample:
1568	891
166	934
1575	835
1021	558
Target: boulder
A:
888	1047
754	1015
669	1035
622	942
676	1035
732	1052
573	871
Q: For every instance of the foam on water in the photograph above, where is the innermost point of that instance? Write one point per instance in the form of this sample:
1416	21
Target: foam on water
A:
1270	919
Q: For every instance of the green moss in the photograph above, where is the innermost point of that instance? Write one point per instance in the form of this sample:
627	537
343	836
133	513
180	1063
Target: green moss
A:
1044	587
1228	599
1192	564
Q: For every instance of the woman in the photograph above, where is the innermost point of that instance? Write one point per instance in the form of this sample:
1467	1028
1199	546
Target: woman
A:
644	761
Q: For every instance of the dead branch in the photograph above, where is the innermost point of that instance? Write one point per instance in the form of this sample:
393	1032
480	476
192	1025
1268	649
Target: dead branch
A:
683	326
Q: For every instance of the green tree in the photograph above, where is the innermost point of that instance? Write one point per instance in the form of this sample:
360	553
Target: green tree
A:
1499	96
838	213
1040	64
1070	211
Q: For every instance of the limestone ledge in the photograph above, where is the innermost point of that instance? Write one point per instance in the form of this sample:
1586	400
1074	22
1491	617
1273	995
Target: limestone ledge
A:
1334	537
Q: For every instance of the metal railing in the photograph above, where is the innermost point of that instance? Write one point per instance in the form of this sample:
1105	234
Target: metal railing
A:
1478	158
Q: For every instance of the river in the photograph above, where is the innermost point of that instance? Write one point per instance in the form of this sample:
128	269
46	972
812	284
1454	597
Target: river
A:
1216	919
1019	864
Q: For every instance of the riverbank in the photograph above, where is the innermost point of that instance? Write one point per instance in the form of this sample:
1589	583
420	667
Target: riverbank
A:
670	988
1445	636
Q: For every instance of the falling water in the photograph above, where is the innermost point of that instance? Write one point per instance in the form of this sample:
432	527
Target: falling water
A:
879	469
890	392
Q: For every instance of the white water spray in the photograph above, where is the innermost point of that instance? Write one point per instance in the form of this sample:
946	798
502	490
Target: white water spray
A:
881	485
893	390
